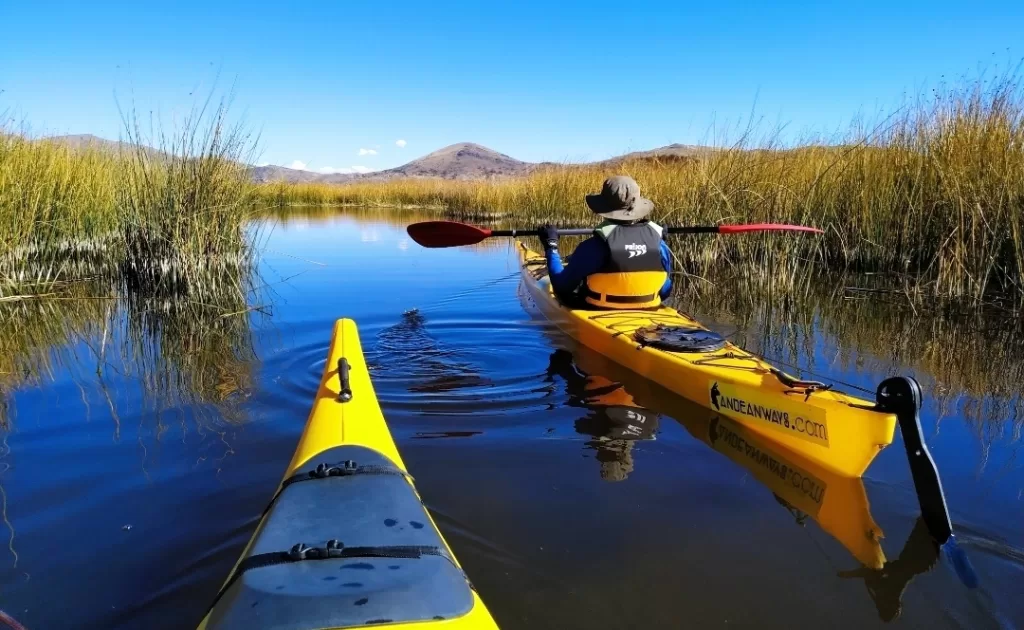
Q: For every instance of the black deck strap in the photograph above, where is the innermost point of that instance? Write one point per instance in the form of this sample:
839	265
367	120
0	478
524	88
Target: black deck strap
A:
333	550
620	299
902	396
346	468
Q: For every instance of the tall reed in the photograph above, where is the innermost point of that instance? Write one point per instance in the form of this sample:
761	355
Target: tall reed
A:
934	191
160	212
182	207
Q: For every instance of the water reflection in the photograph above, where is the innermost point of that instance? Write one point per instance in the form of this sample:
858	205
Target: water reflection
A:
838	504
163	410
614	421
189	356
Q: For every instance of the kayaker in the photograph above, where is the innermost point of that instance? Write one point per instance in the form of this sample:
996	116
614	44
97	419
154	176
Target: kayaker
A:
625	265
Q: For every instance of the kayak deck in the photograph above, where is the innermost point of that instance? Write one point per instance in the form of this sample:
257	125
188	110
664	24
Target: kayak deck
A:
841	432
346	541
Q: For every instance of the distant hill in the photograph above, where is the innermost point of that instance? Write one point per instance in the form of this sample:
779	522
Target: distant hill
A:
465	161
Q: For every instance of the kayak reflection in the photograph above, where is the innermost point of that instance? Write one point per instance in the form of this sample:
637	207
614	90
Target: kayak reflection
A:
614	420
837	503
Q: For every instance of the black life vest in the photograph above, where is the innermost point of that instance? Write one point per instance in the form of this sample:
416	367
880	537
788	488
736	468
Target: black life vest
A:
632	275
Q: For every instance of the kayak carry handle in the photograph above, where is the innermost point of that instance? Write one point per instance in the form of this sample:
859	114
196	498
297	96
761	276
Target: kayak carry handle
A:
901	395
345	393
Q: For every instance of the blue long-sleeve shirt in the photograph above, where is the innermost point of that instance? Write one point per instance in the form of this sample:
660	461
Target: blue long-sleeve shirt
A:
589	258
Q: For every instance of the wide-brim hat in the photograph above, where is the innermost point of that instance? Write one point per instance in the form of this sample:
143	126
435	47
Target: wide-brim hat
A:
620	200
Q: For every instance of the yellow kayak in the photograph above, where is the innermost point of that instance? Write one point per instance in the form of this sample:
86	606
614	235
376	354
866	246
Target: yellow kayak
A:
346	542
837	431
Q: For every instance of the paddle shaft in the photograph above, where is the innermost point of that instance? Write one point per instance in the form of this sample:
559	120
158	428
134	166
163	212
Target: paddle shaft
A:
455	234
704	229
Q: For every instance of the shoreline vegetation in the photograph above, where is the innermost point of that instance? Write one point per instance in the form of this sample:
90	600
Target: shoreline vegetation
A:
157	215
931	200
134	259
932	197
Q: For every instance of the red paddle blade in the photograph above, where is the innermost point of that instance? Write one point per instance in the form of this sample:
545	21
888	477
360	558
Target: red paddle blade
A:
766	227
446	233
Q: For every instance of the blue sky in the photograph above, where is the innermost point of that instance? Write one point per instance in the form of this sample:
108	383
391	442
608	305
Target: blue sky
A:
560	80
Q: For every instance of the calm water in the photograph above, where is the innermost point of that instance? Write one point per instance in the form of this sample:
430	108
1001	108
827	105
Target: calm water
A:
129	489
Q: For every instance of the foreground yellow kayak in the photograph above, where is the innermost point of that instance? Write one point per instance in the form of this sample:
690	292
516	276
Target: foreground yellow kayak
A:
346	541
835	430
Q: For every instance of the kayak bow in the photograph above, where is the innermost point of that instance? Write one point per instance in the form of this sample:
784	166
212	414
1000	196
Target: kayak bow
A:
346	542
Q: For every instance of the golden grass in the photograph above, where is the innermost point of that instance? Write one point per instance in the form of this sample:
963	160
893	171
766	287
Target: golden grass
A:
156	214
971	363
151	237
935	192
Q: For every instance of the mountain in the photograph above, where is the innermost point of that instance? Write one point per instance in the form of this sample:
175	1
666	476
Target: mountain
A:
464	160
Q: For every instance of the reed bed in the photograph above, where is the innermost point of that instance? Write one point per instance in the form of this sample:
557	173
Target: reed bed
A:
971	363
149	238
159	213
934	193
183	207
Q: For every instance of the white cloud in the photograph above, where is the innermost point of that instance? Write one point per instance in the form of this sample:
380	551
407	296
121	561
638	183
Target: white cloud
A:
367	152
344	170
400	144
298	165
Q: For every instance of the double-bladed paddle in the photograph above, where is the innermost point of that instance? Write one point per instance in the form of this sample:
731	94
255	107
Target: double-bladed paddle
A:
454	234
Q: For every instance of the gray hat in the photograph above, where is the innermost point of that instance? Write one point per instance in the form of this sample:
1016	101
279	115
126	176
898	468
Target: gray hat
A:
620	200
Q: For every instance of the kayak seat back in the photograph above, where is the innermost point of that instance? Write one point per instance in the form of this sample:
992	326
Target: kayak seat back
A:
379	510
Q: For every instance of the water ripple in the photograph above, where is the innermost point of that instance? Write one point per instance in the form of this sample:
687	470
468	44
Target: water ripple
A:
459	367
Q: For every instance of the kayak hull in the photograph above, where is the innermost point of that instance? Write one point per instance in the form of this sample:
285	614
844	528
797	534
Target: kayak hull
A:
379	509
840	432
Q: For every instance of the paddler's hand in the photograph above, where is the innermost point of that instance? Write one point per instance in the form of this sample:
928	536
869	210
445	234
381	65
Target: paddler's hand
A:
549	236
